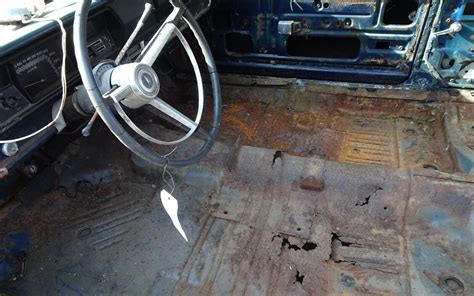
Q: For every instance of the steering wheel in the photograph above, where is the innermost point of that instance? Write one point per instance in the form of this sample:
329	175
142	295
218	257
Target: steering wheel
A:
136	85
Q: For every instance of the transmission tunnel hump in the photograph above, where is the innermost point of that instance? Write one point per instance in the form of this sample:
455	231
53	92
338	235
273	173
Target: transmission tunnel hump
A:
371	41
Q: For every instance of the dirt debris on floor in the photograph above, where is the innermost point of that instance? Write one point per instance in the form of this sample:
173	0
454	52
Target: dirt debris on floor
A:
307	196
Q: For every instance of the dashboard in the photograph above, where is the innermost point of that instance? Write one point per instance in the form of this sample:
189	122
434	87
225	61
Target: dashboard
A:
32	75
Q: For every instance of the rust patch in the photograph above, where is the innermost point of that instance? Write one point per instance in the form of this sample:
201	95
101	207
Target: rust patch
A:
354	130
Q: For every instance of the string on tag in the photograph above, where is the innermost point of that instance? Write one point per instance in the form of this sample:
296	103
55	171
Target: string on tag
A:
166	172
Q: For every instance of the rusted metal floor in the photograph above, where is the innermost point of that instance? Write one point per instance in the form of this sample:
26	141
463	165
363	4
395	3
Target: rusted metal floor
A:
259	223
305	194
302	226
368	132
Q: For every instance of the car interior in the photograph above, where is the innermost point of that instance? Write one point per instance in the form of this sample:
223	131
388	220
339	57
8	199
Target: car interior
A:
223	147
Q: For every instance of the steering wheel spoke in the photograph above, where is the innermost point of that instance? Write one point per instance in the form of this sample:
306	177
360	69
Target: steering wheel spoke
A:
118	94
154	48
176	115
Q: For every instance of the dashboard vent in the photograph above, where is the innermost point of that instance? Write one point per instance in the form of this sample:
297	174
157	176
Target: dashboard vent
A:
99	47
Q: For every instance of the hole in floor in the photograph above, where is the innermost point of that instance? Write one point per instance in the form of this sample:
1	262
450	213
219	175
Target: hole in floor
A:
308	246
400	12
299	277
277	155
366	200
323	47
286	242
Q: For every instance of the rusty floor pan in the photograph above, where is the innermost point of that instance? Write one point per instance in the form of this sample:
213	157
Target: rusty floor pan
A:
297	226
368	132
259	223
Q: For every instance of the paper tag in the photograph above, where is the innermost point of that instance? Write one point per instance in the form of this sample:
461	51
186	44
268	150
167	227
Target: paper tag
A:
171	207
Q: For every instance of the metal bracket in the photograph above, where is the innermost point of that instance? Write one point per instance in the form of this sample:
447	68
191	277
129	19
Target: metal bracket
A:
289	27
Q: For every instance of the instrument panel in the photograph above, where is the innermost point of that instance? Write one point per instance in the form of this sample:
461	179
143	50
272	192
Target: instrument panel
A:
38	70
31	77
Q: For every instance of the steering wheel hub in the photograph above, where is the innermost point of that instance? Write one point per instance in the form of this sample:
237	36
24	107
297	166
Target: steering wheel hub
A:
142	80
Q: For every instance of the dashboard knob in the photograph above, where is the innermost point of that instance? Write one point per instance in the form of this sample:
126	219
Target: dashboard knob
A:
9	149
11	102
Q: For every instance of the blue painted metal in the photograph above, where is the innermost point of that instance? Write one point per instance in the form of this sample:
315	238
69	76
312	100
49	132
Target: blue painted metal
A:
402	62
452	53
362	19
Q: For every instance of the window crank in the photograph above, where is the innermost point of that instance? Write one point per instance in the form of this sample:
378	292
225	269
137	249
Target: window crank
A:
453	28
